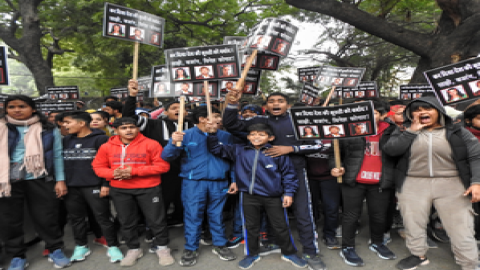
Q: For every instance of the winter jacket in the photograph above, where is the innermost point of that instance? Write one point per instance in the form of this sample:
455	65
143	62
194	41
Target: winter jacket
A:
282	129
142	154
352	152
78	154
197	163
255	172
465	146
318	168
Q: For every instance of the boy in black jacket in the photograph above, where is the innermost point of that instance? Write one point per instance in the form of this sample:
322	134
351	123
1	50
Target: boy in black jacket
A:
85	188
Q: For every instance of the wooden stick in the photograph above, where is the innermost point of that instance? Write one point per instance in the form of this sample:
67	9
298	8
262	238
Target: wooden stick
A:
248	64
207	100
329	96
180	117
135	61
336	144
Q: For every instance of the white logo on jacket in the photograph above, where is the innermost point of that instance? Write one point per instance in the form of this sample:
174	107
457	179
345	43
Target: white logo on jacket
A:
155	200
269	166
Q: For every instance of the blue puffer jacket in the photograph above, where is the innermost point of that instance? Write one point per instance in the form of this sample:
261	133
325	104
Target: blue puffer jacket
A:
257	173
197	162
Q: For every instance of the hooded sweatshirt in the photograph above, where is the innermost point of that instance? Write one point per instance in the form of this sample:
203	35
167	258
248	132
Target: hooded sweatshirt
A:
142	154
78	154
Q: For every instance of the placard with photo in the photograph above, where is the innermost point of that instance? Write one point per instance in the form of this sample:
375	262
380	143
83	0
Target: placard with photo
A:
160	82
4	78
252	81
329	76
414	91
47	107
63	92
308	74
363	90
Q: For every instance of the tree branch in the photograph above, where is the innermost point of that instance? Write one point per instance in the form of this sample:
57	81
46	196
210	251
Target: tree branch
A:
414	41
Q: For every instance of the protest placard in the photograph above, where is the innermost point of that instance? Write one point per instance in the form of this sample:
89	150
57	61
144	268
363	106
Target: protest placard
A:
329	76
198	64
457	82
2	100
196	89
120	92
250	87
133	25
263	61
47	107
342	121
309	94
63	92
4	79
308	74
363	90
414	91
144	84
160	84
271	35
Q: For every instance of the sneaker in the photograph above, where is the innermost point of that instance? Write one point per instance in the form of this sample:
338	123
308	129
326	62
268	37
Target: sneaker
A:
132	256
412	262
248	262
80	253
314	262
440	234
295	260
59	259
174	223
224	253
338	231
350	257
383	252
269	249
114	254
431	243
101	241
45	252
148	236
235	242
164	257
189	258
386	239
206	241
331	243
18	264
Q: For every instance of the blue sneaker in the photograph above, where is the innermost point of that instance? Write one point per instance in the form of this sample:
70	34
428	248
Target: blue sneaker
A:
80	253
235	242
18	264
59	259
115	254
295	260
350	257
248	262
269	249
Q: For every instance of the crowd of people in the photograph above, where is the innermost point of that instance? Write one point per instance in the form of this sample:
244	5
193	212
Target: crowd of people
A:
121	167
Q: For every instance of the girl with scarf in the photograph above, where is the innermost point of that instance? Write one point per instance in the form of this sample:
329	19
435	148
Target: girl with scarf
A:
32	174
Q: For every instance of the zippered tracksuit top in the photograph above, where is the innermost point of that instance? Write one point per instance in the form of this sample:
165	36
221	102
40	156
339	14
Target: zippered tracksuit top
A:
284	135
204	186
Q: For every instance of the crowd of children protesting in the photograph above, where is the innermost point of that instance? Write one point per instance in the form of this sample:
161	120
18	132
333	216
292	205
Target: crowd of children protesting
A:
421	159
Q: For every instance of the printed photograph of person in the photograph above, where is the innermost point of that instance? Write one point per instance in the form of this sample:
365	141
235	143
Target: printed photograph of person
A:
268	62
183	89
416	95
313	77
53	96
405	96
308	131
181	74
359	129
281	47
155	38
316	101
349	82
304	98
248	88
137	34
347	94
204	72
116	29
245	59
337	82
160	89
360	94
227	86
453	94
371	93
261	42
333	131
73	95
63	96
310	101
475	86
227	70
303	79
201	89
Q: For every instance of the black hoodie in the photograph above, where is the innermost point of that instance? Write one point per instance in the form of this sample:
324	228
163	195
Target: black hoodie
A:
78	154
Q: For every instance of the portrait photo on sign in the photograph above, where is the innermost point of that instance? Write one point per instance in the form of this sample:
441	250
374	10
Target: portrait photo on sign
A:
310	100
116	29
268	62
227	86
324	80
453	94
181	74
137	33
245	60
53	96
475	86
313	77
303	78
155	38
405	96
248	88
308	131
304	98
359	94
261	42
73	95
281	46
333	131
204	72
337	81
371	93
349	82
63	96
183	89
200	89
347	94
160	88
416	95
360	129
227	70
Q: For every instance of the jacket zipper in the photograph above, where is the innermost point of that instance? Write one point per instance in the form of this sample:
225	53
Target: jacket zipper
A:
257	151
124	153
430	154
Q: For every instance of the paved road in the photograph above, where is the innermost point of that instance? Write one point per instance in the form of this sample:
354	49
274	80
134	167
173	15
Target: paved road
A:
441	258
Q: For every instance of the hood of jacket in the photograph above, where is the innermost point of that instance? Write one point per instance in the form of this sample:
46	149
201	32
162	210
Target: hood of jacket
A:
445	120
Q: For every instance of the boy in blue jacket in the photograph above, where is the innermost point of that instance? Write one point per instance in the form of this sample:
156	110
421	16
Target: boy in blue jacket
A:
262	180
204	186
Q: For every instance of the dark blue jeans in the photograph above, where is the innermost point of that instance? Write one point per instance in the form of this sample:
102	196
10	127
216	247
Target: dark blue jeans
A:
328	191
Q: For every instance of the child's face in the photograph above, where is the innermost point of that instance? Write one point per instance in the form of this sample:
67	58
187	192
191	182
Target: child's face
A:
248	113
173	111
259	138
378	116
97	121
476	121
277	105
72	126
428	117
128	131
